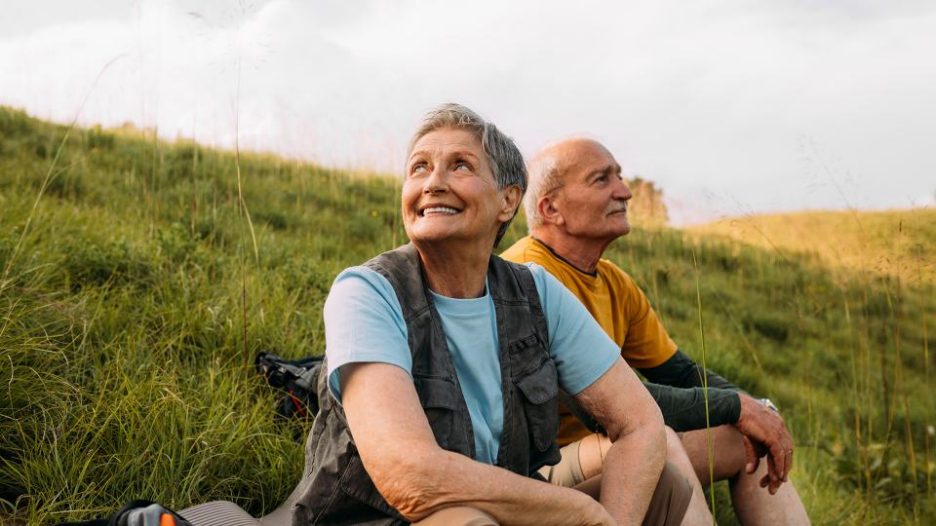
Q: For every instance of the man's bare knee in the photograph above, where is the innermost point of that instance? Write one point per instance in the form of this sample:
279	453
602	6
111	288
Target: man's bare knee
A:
725	458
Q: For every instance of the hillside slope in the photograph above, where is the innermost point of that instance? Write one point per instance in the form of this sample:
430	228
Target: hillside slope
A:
894	242
137	288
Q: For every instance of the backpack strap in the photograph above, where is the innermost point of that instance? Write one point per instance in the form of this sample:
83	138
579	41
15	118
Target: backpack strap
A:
137	513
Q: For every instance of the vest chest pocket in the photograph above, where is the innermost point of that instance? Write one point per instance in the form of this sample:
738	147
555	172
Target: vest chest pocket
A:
439	398
540	388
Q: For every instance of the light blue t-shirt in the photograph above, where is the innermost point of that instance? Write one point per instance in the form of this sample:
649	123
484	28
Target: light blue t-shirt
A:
364	323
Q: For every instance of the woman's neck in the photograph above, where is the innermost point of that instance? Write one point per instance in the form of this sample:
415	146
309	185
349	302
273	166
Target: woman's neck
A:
455	273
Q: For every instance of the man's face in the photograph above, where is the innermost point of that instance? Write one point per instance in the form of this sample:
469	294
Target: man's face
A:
592	203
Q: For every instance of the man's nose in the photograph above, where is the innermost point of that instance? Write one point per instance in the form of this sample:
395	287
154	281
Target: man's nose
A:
622	191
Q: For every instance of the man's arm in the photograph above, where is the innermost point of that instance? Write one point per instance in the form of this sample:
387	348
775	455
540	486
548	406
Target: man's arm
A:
417	477
633	423
677	387
764	429
685	409
682	371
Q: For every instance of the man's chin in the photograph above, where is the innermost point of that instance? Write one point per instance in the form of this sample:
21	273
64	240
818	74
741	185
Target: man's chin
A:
624	227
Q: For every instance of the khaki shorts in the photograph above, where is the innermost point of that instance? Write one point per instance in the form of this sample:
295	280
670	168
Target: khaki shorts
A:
458	516
667	506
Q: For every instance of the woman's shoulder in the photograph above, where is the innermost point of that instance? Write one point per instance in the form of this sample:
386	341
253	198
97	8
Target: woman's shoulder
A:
360	282
401	259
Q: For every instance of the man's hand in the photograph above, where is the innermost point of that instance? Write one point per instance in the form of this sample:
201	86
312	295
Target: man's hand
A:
765	433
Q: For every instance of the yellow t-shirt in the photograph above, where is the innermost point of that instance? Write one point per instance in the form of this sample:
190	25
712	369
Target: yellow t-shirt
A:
616	303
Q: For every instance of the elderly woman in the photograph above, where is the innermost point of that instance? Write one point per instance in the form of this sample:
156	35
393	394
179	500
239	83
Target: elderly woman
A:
445	362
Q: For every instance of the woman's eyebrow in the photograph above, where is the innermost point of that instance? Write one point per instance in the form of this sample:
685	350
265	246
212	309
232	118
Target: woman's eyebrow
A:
451	153
465	153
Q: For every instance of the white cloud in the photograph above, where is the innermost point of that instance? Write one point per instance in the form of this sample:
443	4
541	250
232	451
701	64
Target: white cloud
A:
731	106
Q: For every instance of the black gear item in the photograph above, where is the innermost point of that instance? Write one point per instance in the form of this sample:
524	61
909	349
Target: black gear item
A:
297	378
135	513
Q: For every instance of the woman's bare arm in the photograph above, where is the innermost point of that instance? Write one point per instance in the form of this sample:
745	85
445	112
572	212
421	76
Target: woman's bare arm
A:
632	467
417	477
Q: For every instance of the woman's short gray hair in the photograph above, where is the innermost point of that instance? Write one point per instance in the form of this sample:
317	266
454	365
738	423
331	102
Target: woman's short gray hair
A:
502	154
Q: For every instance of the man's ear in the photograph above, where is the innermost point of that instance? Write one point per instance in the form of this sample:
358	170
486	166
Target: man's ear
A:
548	211
511	204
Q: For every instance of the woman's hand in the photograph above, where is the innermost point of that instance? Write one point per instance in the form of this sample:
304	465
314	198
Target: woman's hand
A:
417	477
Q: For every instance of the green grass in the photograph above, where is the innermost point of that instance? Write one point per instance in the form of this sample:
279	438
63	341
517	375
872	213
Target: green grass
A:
132	304
893	242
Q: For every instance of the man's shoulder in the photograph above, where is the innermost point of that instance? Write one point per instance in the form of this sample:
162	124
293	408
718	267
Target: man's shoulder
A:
609	267
528	250
615	276
523	251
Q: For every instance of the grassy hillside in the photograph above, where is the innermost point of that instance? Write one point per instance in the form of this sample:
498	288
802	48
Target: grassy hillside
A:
136	289
896	242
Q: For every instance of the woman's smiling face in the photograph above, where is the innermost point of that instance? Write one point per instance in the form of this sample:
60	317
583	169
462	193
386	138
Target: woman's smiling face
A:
449	192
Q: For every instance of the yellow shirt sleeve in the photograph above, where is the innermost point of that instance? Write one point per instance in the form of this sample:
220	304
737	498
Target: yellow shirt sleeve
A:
645	342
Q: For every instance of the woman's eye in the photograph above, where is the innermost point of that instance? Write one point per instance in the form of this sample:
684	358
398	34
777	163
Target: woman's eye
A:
418	168
462	165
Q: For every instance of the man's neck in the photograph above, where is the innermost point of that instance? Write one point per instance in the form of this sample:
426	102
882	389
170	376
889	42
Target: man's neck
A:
581	253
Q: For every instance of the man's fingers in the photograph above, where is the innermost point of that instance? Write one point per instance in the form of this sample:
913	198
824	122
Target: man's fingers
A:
780	452
783	455
750	453
773	487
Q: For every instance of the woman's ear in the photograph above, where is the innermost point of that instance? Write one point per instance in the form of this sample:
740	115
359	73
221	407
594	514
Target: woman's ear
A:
511	202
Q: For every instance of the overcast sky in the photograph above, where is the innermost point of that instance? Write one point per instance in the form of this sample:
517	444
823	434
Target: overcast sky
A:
730	106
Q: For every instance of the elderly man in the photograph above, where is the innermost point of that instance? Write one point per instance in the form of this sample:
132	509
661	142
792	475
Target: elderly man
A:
576	206
445	363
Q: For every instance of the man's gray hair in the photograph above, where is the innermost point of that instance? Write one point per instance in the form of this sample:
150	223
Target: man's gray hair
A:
545	177
502	154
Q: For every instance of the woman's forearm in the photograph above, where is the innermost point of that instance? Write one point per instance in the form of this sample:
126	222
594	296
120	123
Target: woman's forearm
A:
634	425
440	479
417	477
626	491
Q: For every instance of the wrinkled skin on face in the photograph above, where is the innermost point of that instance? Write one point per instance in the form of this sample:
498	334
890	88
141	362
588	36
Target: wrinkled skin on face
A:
592	201
450	195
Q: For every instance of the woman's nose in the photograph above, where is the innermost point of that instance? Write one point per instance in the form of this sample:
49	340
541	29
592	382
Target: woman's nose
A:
436	182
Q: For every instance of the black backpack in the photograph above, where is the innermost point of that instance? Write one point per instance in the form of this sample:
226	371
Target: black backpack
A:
298	378
137	513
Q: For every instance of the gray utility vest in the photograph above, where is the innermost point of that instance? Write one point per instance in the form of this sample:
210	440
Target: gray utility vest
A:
336	489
